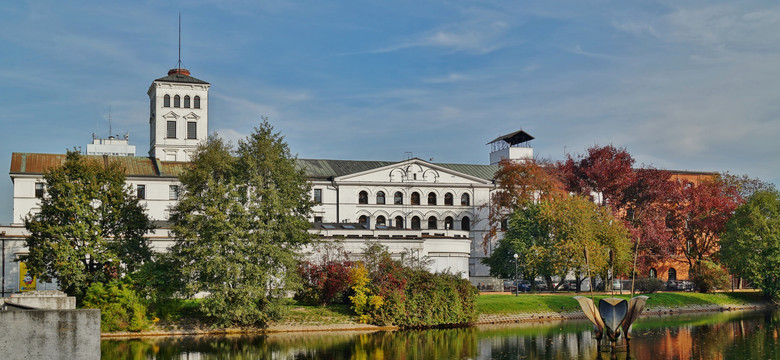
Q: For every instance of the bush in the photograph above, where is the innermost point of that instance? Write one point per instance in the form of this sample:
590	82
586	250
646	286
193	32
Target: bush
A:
324	284
708	276
649	286
121	309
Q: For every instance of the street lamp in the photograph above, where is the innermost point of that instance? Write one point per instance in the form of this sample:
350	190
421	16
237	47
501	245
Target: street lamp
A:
517	288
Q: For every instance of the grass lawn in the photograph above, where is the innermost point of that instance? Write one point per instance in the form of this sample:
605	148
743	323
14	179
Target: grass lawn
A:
530	303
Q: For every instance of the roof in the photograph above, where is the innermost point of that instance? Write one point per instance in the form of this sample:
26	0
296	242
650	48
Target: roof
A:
30	163
516	137
324	169
181	78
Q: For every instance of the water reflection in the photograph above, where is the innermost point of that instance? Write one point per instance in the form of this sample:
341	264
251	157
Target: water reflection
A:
720	336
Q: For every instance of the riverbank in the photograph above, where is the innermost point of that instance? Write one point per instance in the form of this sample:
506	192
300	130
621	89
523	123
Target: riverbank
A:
493	308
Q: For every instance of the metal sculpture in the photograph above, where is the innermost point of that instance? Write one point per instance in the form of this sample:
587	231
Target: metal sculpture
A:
613	316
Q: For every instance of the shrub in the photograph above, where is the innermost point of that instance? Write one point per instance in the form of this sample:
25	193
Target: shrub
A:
121	309
649	286
708	276
328	283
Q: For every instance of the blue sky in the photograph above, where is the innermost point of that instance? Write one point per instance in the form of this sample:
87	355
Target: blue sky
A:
686	85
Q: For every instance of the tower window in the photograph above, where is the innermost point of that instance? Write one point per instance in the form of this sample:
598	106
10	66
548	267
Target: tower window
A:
196	102
140	192
192	130
187	101
176	101
173	192
39	190
167	100
171	134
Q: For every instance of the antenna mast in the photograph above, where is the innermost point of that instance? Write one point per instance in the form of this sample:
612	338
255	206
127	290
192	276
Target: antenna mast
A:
110	130
179	67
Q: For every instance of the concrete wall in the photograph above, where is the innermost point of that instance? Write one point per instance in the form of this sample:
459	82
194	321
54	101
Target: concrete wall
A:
48	300
50	334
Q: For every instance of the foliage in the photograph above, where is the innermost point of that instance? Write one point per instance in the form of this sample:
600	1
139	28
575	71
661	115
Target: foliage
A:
239	225
90	227
699	216
121	309
550	238
750	246
327	280
364	304
518	183
649	285
158	283
708	276
745	186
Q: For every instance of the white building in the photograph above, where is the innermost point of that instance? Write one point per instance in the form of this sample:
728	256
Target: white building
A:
411	206
112	146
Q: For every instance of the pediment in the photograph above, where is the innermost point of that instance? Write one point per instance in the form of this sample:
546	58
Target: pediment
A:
170	115
191	116
412	171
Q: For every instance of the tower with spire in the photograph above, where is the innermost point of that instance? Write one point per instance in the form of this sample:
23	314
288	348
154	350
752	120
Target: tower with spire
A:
178	113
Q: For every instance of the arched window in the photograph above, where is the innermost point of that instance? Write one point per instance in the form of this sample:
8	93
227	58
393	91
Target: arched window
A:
398	199
432	222
672	274
363	219
465	200
415	198
196	102
176	101
416	223
431	198
449	222
380	197
186	101
363	197
167	100
399	222
448	199
653	273
380	220
465	223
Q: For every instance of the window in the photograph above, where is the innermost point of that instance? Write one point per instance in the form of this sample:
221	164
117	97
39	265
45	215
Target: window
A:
465	200
173	192
318	196
448	223
187	101
416	223
399	222
432	222
380	220
465	223
504	224
415	198
363	219
380	197
431	198
39	190
192	130
653	274
176	101
167	100
171	134
672	274
140	191
318	219
398	199
363	197
196	102
448	199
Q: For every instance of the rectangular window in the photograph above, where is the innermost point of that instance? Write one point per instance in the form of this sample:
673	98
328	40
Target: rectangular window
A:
173	192
140	191
39	190
171	130
192	130
318	219
318	196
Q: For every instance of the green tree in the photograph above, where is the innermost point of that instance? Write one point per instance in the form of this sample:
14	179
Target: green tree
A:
239	225
550	237
90	227
750	246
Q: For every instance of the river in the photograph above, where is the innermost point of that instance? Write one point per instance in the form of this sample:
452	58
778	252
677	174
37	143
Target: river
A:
729	335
